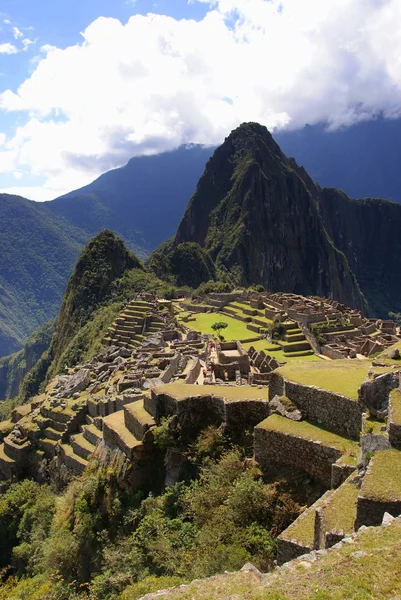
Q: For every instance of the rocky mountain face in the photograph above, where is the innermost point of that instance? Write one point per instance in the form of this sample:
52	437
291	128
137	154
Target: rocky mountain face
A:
257	214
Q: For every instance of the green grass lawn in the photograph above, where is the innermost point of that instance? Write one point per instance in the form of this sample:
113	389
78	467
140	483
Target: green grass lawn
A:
395	398
383	481
276	352
339	376
236	330
367	569
340	510
308	431
385	358
180	391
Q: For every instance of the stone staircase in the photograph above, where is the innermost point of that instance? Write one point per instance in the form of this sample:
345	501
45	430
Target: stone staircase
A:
124	427
295	342
132	325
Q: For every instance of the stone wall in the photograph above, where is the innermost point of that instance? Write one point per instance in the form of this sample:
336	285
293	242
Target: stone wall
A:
194	372
370	511
374	394
333	411
198	412
273	447
393	423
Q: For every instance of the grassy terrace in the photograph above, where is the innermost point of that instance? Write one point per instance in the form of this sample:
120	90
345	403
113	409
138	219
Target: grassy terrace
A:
395	399
203	322
343	573
339	376
384	357
314	433
276	352
383	480
180	391
302	530
340	510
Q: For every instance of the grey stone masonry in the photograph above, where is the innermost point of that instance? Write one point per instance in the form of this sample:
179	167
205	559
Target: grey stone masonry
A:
335	412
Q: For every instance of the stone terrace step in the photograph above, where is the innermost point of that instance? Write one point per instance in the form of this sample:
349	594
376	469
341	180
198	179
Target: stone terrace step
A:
52	434
48	446
116	434
7	464
81	446
137	419
92	434
72	461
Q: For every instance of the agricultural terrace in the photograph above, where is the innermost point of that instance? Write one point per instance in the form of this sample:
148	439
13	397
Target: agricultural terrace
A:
339	376
311	432
385	359
383	479
180	391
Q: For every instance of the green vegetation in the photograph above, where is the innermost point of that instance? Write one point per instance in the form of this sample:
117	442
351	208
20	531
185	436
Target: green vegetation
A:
314	433
365	569
303	529
185	265
180	391
203	322
340	376
98	541
385	358
383	480
218	326
38	253
395	400
14	368
340	510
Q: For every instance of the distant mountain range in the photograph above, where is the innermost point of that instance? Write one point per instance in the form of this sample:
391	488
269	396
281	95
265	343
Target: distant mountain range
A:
144	201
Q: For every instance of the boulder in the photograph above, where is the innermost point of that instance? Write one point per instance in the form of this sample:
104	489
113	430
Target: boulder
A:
394	354
77	383
374	394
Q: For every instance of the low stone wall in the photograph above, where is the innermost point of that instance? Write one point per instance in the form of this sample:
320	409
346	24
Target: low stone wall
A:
171	370
198	412
273	447
370	511
276	386
195	308
194	373
340	472
251	327
289	549
333	411
332	352
374	394
394	423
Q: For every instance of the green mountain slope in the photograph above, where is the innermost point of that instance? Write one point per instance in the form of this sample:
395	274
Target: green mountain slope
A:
37	255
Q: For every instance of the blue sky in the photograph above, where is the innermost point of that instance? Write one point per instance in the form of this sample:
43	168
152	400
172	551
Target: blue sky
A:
87	84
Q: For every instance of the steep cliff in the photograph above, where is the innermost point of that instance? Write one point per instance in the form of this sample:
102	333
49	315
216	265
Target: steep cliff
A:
13	368
104	260
368	232
258	218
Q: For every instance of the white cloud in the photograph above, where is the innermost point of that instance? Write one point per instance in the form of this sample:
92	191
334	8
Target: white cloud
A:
157	82
17	33
8	48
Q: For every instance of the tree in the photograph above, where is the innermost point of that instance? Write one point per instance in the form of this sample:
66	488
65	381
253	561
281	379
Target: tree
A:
218	326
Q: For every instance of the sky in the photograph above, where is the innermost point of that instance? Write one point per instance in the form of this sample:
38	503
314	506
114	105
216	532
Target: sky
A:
87	84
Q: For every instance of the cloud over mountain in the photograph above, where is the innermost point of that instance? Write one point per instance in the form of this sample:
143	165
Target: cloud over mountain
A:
154	82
